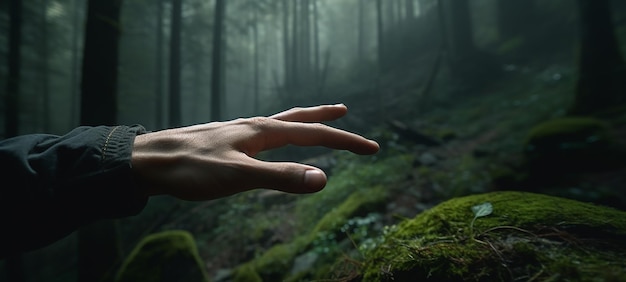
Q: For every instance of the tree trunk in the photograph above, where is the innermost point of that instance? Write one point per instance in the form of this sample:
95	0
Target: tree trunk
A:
174	81
286	47
305	41
255	33
158	87
515	17
360	42
99	81
518	26
316	45
218	60
469	67
43	54
459	29
98	246
75	75
11	102
602	73
295	48
380	31
409	10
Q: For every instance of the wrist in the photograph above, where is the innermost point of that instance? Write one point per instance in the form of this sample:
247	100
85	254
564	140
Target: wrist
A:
140	163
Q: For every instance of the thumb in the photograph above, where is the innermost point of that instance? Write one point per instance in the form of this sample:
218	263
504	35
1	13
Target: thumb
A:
288	177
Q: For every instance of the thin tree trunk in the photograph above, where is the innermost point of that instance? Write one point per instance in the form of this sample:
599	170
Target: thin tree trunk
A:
409	10
602	72
460	31
174	67
511	13
255	31
99	82
381	38
11	102
99	107
398	12
75	74
158	87
470	67
316	43
217	69
295	48
361	31
45	85
286	48
305	41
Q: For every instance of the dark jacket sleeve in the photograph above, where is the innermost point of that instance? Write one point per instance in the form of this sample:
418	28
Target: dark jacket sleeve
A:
54	184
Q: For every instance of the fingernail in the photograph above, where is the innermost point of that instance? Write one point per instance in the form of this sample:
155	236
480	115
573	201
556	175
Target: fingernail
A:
315	180
339	105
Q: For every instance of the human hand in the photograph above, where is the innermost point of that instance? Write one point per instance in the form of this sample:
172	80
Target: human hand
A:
216	159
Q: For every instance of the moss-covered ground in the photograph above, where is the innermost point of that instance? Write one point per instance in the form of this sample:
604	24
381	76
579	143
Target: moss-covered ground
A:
164	256
527	237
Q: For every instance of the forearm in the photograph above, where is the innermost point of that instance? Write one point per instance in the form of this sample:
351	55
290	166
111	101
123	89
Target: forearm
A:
55	184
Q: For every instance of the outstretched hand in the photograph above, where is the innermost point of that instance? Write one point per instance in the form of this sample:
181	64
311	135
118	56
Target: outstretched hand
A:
216	159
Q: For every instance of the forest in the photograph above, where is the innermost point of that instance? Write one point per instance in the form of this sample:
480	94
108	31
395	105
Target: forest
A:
502	126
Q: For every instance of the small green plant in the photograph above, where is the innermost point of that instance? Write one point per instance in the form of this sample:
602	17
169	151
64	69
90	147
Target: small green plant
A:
481	210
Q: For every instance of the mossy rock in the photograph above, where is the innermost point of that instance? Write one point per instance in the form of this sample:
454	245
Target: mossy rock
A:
527	237
165	256
572	144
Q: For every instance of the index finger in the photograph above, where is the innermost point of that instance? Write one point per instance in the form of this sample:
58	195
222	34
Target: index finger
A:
283	133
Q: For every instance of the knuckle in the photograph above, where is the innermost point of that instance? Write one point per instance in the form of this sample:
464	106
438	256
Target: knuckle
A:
259	123
318	126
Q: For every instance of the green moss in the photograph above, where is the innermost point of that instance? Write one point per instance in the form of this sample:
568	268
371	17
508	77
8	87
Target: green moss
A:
357	204
349	176
572	128
246	273
527	236
511	45
571	144
275	263
165	256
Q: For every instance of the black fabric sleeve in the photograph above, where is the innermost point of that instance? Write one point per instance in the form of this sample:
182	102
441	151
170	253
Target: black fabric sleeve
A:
54	184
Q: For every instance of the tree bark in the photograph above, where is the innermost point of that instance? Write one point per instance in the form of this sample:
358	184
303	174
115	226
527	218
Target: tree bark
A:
158	87
380	34
295	47
174	67
99	81
602	72
515	17
255	34
459	29
305	41
99	107
75	98
286	47
11	99
469	66
217	69
43	53
316	45
360	42
409	10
